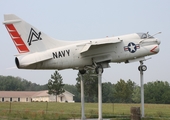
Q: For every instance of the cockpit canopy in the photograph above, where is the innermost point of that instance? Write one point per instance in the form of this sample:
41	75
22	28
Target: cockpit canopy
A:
144	35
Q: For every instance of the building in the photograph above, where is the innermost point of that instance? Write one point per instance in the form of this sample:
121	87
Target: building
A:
34	96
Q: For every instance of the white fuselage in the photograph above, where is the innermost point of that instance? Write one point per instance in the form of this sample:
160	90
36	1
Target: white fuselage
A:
39	51
131	47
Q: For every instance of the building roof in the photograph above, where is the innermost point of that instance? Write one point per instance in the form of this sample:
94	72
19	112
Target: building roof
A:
41	93
17	93
26	93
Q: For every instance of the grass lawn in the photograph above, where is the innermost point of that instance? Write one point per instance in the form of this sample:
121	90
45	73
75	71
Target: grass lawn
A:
55	111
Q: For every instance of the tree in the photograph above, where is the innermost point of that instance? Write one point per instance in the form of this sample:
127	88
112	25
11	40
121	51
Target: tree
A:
90	85
55	84
107	92
123	91
130	86
136	95
157	92
10	83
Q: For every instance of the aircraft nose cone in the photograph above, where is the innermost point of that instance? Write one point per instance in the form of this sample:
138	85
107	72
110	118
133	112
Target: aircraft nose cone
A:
155	49
158	41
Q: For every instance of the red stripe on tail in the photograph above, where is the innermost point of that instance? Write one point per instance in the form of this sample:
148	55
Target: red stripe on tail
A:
20	45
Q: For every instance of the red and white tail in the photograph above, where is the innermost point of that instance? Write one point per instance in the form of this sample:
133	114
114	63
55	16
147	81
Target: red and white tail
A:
27	38
19	43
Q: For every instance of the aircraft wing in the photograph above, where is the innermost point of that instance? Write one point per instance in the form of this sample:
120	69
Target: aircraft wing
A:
87	46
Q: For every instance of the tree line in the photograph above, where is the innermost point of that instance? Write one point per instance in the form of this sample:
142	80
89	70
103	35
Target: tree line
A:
122	92
10	83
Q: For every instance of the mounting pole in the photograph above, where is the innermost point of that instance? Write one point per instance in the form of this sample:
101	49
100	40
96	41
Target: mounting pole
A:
100	94
82	98
142	89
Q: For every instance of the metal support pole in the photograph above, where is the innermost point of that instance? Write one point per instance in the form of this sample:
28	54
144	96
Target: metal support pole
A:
82	98
100	94
142	90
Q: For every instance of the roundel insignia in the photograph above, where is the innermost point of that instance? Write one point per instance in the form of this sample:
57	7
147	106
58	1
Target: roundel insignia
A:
132	47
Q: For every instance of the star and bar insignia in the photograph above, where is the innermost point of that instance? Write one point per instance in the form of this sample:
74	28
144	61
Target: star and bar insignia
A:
132	47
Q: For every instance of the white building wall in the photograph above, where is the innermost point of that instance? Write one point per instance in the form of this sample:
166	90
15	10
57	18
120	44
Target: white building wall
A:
52	98
40	99
14	100
27	99
3	99
34	99
22	99
7	99
46	99
68	97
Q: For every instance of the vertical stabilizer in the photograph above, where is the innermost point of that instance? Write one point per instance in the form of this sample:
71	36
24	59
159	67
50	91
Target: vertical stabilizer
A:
28	38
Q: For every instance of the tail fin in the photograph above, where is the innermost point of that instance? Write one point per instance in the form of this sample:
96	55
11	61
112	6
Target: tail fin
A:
26	37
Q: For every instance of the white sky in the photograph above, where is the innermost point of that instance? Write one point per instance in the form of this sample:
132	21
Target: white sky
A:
90	19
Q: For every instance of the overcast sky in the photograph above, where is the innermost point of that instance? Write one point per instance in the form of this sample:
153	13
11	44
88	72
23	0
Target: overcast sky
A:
90	19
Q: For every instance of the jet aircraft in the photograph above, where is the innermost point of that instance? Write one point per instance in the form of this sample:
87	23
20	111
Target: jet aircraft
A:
39	51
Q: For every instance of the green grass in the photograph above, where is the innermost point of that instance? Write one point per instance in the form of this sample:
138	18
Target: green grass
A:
57	111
